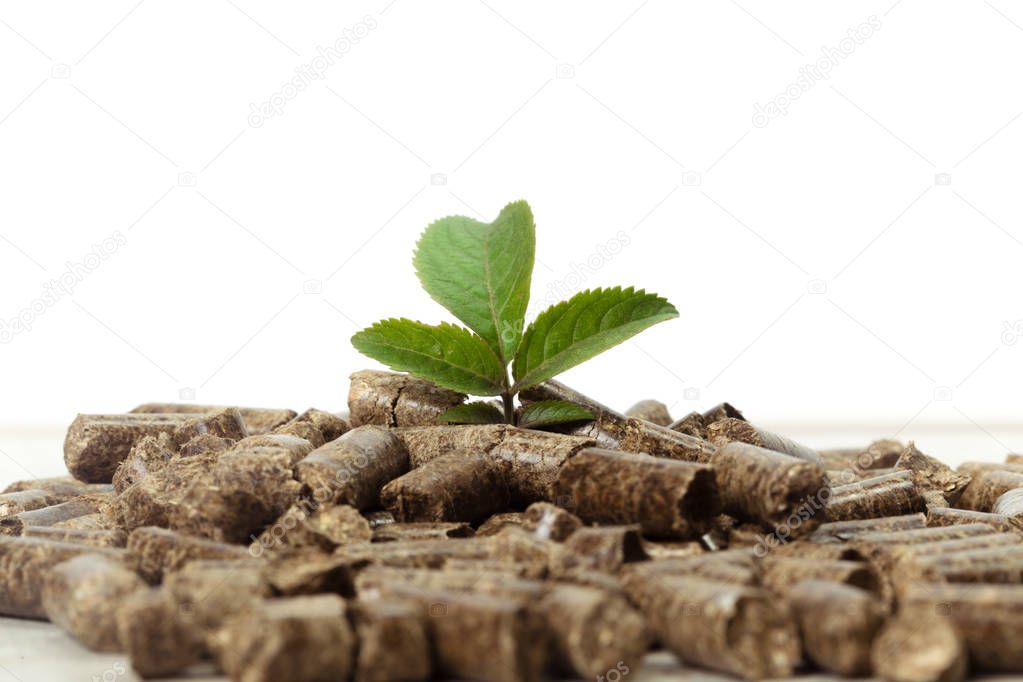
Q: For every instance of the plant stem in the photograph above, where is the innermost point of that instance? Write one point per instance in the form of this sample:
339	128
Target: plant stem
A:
509	408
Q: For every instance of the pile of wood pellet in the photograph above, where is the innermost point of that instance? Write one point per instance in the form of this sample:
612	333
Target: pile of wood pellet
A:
381	546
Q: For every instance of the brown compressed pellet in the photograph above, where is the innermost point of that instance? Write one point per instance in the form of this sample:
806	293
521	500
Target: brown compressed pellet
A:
393	641
672	550
637	435
378	518
496	523
426	443
692	425
330	425
727	430
202	444
416	553
519	546
304	525
387	399
298	447
244	490
258	420
148	454
879	547
1009	505
731	566
312	572
157	551
209	592
888	495
226	423
425	530
919	645
722	411
375	581
995	564
593	631
947	516
480	637
776	490
24	563
353	468
668	498
551	522
97	443
533	460
814	551
974	469
722	626
450	488
837	623
27	500
49	516
64	486
604	548
652	411
986	487
304	430
780	574
842	531
108	537
989	618
931	475
157	634
149	501
881	454
81	595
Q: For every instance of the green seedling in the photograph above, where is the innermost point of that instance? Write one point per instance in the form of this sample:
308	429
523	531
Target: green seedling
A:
481	273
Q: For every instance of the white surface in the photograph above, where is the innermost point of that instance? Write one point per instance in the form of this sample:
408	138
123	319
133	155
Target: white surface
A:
604	115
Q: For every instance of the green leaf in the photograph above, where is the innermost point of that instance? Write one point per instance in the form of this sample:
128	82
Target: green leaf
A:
477	412
550	412
481	272
585	325
447	355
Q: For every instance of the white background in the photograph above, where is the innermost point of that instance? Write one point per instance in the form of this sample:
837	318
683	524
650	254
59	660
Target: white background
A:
827	274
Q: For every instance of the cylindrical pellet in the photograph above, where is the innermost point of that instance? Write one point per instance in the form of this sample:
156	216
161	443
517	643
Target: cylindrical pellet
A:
353	468
243	491
600	548
947	516
668	498
533	460
97	443
838	623
721	626
63	486
778	491
388	399
919	645
226	423
27	500
211	591
692	425
931	475
1009	505
49	516
1001	564
738	567
450	488
258	420
843	531
393	641
111	537
986	487
82	595
888	495
637	435
479	637
781	574
426	443
722	411
551	522
157	551
421	530
651	410
593	631
24	563
328	424
157	634
989	618
728	430
416	553
555	390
